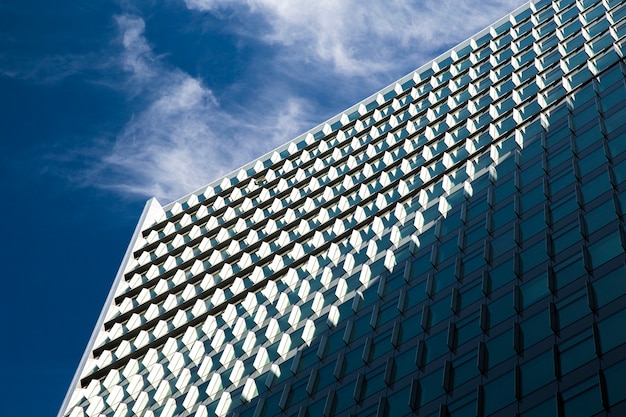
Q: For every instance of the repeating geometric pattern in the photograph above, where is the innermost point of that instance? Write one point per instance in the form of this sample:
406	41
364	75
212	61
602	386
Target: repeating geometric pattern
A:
253	295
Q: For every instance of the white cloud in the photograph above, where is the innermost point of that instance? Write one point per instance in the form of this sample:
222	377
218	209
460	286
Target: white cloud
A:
183	136
362	38
182	139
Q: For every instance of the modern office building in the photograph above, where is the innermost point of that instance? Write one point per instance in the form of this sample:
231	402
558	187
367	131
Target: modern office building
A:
451	246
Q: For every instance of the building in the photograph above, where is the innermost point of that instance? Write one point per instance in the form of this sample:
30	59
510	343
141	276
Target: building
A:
451	246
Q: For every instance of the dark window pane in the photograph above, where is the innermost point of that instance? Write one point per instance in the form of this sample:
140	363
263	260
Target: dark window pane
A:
537	372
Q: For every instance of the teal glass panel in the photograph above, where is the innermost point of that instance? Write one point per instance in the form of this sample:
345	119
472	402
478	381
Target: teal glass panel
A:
436	346
534	224
605	249
534	289
374	382
500	348
582	400
470	293
565	205
572	308
463	407
533	256
591	161
431	386
537	372
343	400
576	351
610	286
398	404
499	393
612	332
615	382
405	364
590	136
465	369
569	270
546	408
595	187
600	216
502	274
536	328
565	237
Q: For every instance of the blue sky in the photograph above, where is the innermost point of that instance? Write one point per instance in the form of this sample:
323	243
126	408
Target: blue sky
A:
105	104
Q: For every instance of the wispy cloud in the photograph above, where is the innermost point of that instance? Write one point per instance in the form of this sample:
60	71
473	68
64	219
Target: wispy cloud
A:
182	139
362	38
183	135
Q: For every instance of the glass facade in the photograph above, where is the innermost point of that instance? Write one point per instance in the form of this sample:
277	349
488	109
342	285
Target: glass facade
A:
451	246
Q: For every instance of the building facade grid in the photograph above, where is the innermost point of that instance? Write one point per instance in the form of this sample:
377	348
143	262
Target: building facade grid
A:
452	246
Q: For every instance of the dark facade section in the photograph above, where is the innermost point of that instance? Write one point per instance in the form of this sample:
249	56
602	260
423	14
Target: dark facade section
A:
514	304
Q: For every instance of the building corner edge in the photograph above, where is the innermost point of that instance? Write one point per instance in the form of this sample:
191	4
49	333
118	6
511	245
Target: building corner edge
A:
152	213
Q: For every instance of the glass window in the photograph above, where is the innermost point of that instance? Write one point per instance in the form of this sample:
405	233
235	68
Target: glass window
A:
532	225
611	99
546	408
591	135
473	261
617	145
610	286
436	346
561	155
470	293
503	189
465	406
502	274
325	376
465	368
398	405
584	116
534	289
500	348
612	331
537	372
536	328
583	400
416	294
503	215
388	311
443	279
605	249
619	169
343	400
431	386
475	233
566	236
531	173
381	345
576	351
469	327
298	392
591	161
405	364
448	249
615	382
422	264
572	308
410	327
600	216
499	393
565	205
533	256
595	187
396	280
569	270
374	382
